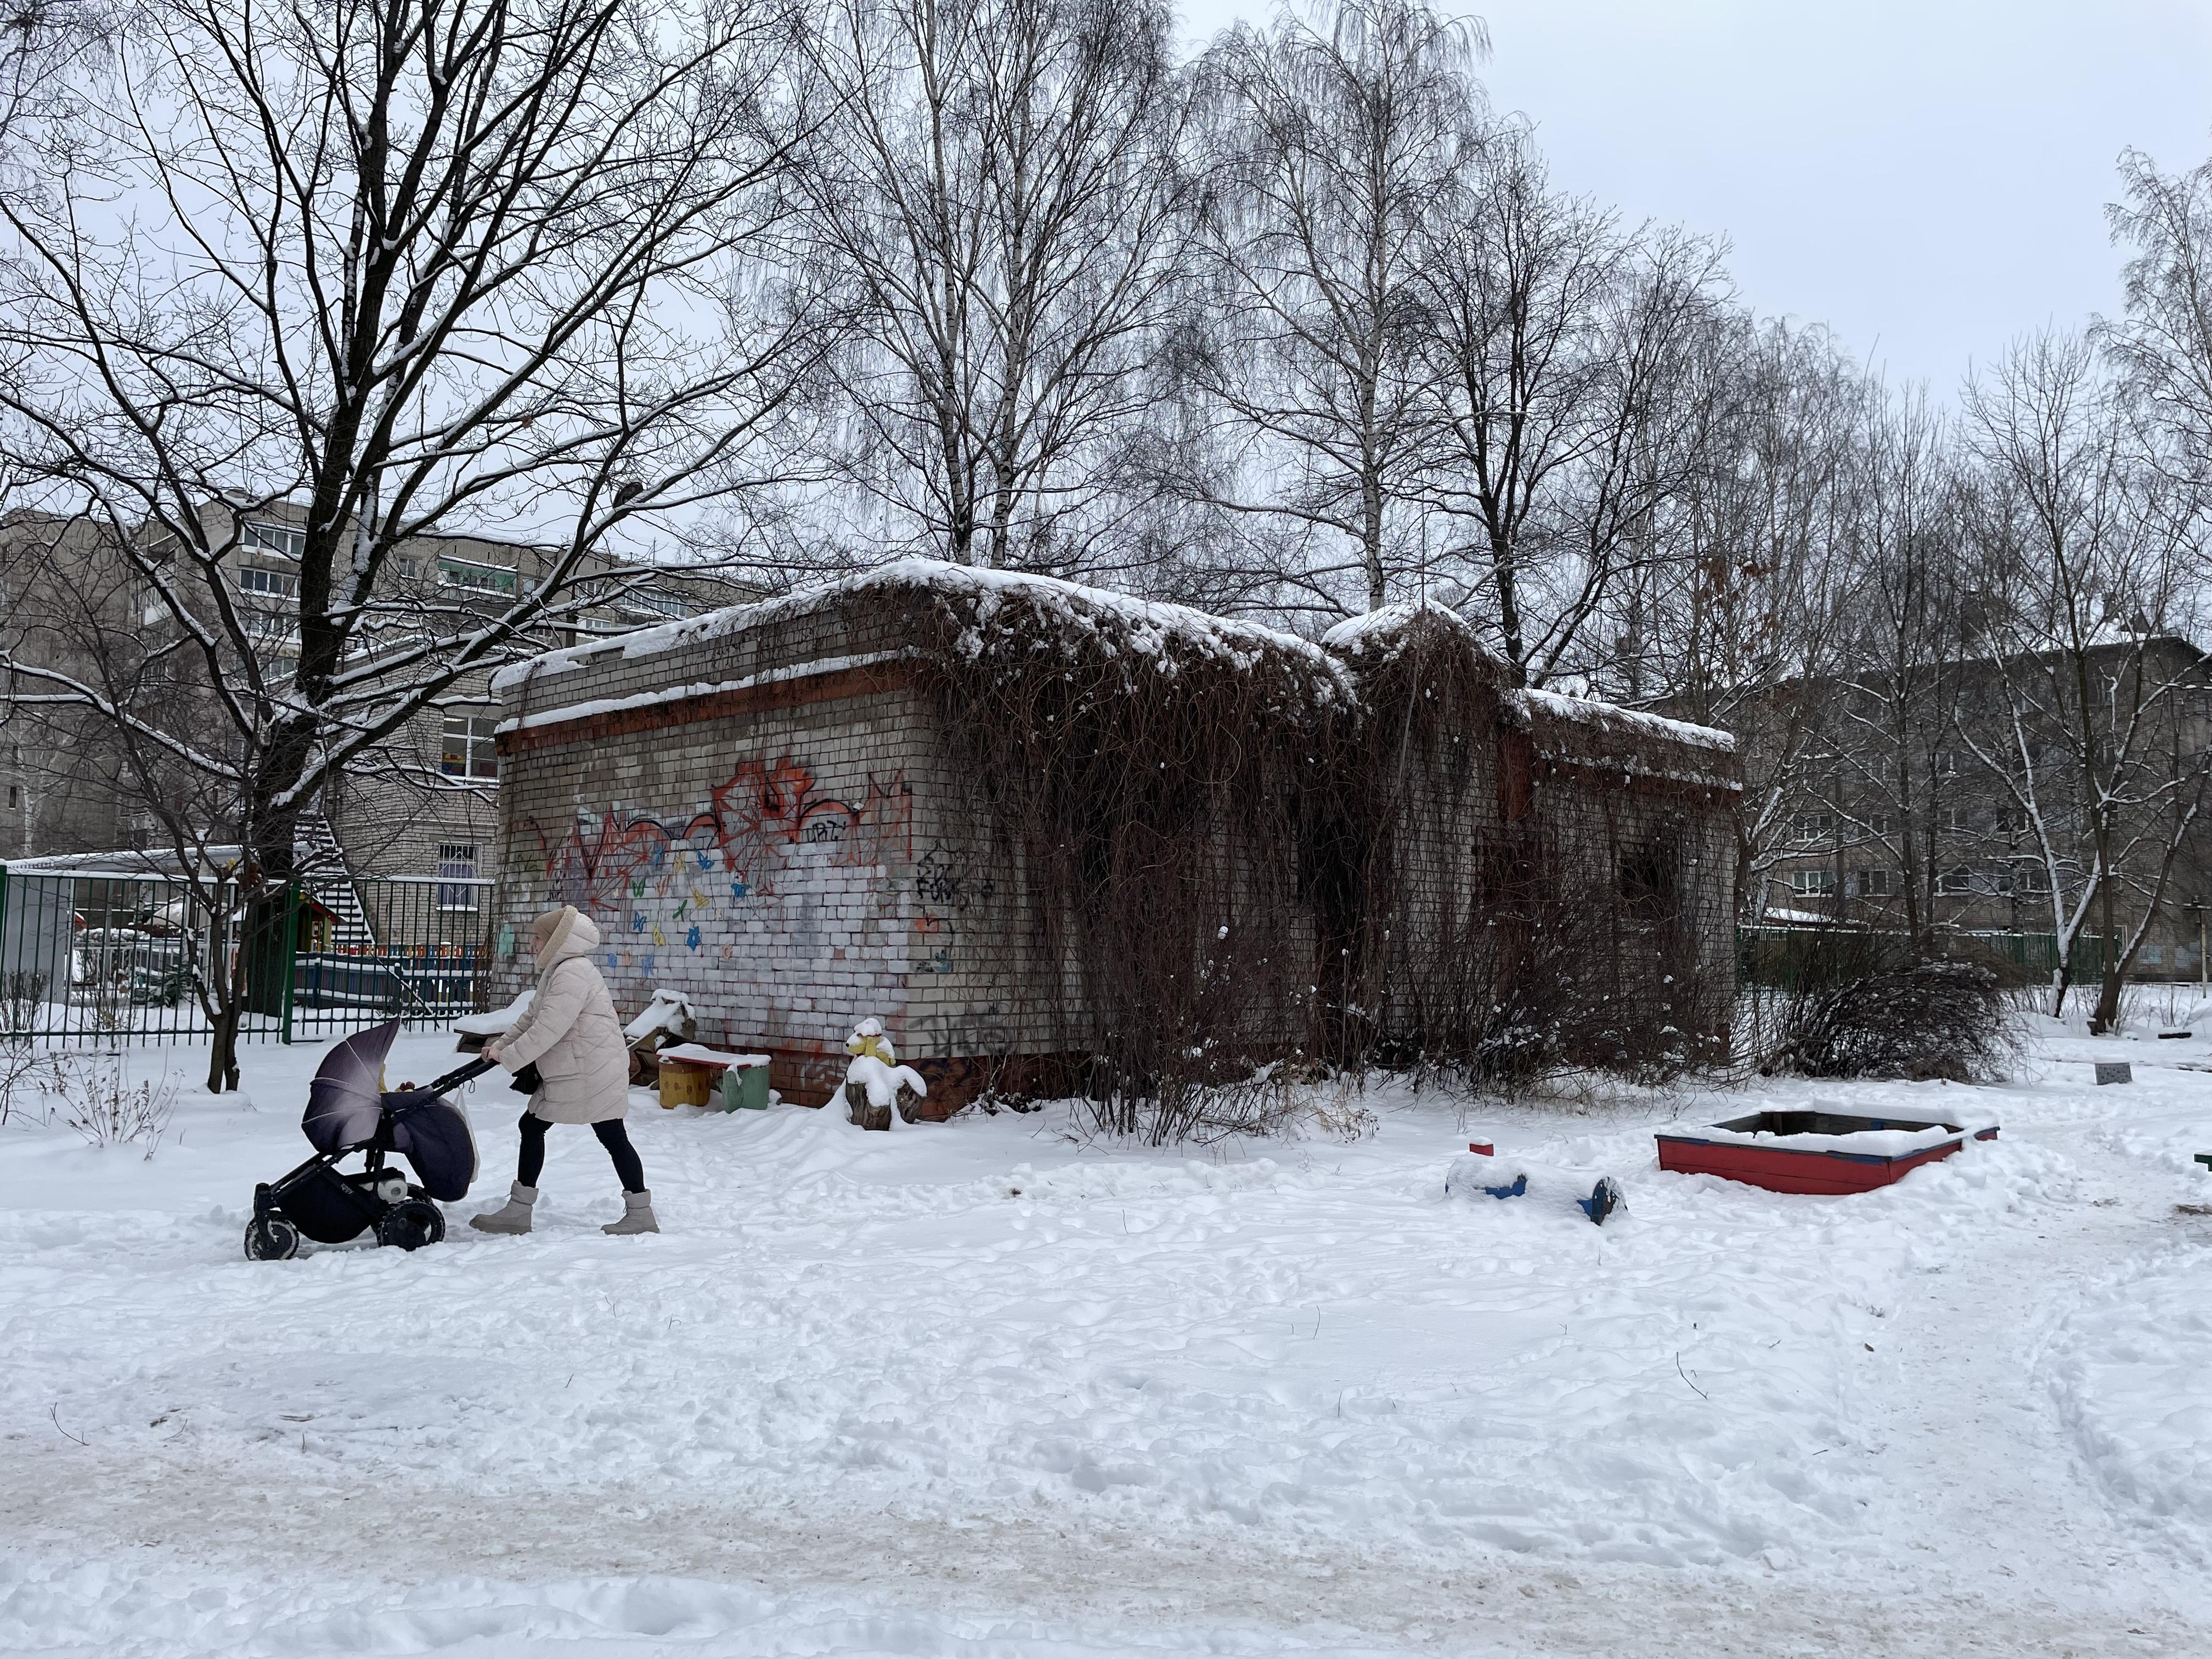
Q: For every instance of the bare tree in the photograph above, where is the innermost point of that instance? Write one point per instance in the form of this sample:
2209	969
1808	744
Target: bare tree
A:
41	41
1887	722
1561	355
2164	342
416	265
1739	615
1000	188
2086	548
1337	137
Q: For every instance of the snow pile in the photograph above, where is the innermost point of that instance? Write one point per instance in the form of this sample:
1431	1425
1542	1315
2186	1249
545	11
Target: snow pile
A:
497	1020
1867	1143
698	1053
1473	1175
670	1013
1388	628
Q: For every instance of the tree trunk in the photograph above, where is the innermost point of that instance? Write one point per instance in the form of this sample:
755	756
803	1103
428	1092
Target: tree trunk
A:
2106	1018
223	1052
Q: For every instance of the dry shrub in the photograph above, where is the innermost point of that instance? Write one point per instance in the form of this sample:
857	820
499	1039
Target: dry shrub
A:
1915	1021
27	1077
100	1104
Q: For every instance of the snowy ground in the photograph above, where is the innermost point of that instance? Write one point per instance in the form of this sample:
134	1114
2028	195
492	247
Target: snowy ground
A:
985	1389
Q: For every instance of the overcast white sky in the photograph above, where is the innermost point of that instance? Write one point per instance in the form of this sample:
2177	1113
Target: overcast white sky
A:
1927	177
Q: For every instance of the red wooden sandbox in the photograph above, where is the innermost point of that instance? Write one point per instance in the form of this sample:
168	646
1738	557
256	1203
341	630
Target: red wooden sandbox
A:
1806	1169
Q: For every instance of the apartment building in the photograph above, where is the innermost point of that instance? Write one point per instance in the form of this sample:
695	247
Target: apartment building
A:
1963	802
424	805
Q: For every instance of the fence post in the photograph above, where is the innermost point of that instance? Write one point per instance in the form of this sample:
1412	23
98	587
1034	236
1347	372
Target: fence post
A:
291	958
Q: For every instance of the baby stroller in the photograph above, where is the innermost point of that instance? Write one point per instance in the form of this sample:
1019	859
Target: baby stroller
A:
348	1112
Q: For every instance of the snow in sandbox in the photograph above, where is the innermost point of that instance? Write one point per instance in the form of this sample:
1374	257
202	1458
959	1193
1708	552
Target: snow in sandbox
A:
994	1386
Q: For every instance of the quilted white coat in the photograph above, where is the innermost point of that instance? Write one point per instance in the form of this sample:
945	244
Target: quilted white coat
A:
571	1029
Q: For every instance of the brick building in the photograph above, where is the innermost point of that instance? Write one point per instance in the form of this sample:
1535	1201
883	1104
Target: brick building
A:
765	808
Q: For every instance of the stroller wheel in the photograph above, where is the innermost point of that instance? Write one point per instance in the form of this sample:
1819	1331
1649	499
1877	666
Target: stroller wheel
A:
411	1224
271	1238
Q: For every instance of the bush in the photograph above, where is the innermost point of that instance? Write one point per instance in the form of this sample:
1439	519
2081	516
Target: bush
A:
1915	1022
106	1110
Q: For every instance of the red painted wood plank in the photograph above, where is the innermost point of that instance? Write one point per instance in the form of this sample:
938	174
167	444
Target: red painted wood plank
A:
1783	1169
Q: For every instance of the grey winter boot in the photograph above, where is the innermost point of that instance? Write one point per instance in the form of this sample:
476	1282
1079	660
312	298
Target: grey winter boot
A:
513	1217
637	1216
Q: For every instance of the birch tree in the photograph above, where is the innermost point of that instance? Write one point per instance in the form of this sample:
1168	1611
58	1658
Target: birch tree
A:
2163	341
999	187
2086	550
1336	139
413	266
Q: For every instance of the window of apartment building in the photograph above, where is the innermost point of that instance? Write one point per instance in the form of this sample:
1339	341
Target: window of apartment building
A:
1813	826
2032	878
276	584
282	538
1812	883
1963	879
457	875
662	605
471	749
1877	823
15	796
2153	955
482	578
1876	883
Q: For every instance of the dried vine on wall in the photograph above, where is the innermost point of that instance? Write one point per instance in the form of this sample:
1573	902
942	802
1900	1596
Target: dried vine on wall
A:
1155	789
1511	917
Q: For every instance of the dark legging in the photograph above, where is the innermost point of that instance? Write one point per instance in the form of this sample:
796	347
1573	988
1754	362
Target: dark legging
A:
612	1136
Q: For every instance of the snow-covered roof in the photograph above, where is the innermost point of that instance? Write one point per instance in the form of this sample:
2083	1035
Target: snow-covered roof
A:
126	862
1141	625
1590	712
1354	634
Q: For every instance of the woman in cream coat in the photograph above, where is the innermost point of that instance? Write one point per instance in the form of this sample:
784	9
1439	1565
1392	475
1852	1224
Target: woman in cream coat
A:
571	1031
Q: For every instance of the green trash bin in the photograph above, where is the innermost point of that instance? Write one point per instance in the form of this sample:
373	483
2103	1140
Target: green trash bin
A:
744	1089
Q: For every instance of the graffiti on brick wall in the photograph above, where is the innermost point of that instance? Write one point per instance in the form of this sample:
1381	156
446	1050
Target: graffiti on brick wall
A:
661	877
945	891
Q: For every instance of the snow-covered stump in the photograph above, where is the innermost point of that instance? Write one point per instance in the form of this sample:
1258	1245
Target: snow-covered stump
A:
865	1114
874	1090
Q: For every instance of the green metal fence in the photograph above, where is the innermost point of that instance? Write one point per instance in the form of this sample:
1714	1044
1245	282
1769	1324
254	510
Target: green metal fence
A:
114	956
1783	957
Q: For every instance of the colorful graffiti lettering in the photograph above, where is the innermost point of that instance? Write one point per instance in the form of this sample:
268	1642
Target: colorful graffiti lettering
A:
752	823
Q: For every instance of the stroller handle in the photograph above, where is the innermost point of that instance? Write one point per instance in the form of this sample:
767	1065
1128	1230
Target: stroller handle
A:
475	1068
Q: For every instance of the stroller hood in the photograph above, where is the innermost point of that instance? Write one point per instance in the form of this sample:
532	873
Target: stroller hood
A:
345	1102
346	1107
